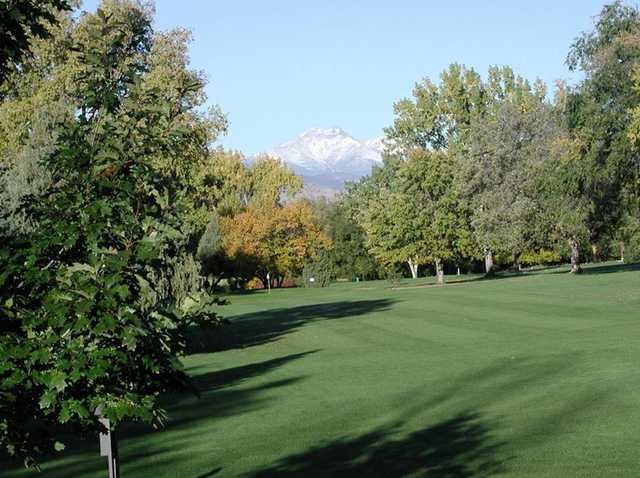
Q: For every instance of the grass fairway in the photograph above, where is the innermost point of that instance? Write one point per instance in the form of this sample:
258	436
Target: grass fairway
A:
535	375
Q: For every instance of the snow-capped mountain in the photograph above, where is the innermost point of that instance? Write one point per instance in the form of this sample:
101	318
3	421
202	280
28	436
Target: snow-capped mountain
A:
327	157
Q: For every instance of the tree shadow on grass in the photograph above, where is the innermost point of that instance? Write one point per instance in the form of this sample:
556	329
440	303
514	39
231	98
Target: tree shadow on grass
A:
452	280
587	269
461	280
610	268
227	377
221	394
460	446
266	326
456	448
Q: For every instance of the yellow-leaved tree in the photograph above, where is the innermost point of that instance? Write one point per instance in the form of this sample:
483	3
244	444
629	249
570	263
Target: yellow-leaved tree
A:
273	242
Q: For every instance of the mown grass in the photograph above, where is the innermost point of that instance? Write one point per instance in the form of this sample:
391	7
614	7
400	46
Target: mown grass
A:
532	374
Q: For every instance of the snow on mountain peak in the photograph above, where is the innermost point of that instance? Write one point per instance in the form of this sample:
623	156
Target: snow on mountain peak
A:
329	156
318	132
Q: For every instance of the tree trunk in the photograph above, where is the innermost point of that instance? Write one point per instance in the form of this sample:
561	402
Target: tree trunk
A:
265	280
595	253
488	261
413	267
515	258
440	272
622	252
575	256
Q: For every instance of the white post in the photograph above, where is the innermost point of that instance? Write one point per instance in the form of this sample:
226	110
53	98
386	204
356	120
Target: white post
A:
108	446
268	284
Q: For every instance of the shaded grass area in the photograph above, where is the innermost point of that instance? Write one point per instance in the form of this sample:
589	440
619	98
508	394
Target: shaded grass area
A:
458	447
272	324
530	374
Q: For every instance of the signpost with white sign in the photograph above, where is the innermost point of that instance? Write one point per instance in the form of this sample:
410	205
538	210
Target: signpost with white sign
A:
108	445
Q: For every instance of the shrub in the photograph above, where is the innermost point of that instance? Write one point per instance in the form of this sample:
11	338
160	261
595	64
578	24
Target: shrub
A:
318	272
540	257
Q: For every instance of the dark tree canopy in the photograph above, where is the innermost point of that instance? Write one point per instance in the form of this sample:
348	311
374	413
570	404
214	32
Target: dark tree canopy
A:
21	20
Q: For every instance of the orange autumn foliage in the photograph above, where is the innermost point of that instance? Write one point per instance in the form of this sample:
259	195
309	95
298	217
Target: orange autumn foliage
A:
274	240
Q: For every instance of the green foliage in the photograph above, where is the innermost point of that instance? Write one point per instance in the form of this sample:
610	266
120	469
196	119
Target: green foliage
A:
318	273
497	168
349	255
411	212
211	255
461	175
222	184
632	248
272	181
540	257
382	213
225	182
394	275
97	297
438	216
629	235
23	20
599	113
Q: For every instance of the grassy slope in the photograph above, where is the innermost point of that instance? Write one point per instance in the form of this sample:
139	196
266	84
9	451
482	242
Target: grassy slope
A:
533	375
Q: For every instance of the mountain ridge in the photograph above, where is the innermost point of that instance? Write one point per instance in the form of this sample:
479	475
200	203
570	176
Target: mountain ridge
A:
327	157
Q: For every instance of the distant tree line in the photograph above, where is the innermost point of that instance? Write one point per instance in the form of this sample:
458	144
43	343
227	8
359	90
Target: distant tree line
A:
482	167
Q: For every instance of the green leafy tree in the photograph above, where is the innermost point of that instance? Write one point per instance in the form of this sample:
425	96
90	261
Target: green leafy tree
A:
412	212
318	272
497	132
438	216
222	183
272	182
96	298
215	264
349	255
497	167
564	207
20	22
438	118
31	105
386	218
599	112
226	183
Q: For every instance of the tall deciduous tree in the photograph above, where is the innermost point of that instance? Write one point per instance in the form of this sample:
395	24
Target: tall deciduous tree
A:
95	297
348	255
387	219
439	117
497	165
272	182
438	216
563	207
273	243
599	111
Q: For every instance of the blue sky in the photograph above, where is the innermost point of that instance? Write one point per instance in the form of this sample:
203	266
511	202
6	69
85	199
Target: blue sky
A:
280	67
